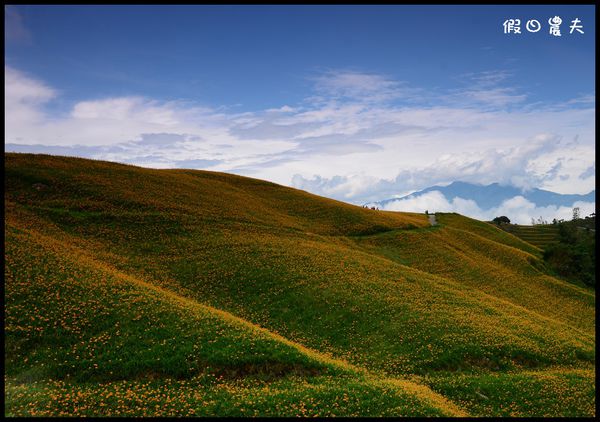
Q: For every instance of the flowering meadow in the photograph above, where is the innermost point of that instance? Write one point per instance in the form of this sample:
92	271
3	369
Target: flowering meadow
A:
143	292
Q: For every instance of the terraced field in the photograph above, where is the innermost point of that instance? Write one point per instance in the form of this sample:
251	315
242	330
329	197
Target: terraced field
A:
540	235
132	291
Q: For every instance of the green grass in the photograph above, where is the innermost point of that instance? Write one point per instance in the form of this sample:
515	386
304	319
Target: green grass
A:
152	279
562	391
85	340
209	396
540	235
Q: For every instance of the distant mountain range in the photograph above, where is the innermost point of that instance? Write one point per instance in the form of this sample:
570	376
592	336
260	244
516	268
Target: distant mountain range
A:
493	195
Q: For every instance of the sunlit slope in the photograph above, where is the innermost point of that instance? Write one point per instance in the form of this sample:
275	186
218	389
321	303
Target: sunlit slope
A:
489	260
434	298
483	229
84	339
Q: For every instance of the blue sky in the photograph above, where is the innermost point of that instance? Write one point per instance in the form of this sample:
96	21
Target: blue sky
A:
357	103
261	56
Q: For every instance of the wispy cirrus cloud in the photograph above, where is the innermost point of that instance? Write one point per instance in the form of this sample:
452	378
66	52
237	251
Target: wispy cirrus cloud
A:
360	87
486	89
586	99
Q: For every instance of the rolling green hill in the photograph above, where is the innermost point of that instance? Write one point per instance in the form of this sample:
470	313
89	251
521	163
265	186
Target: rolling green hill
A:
134	291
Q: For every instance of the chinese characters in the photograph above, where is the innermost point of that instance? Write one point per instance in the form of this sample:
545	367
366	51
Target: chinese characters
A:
513	26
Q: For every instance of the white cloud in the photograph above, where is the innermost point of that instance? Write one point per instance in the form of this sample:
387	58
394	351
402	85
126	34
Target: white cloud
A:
282	109
109	121
518	209
433	201
528	165
19	88
352	143
23	101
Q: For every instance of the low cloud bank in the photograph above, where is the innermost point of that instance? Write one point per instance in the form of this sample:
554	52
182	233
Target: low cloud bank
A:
518	209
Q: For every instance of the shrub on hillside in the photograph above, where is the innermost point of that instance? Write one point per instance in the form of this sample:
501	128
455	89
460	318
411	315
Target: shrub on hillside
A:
501	220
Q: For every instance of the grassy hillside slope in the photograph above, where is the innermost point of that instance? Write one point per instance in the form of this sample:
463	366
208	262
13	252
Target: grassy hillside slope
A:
85	339
379	294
